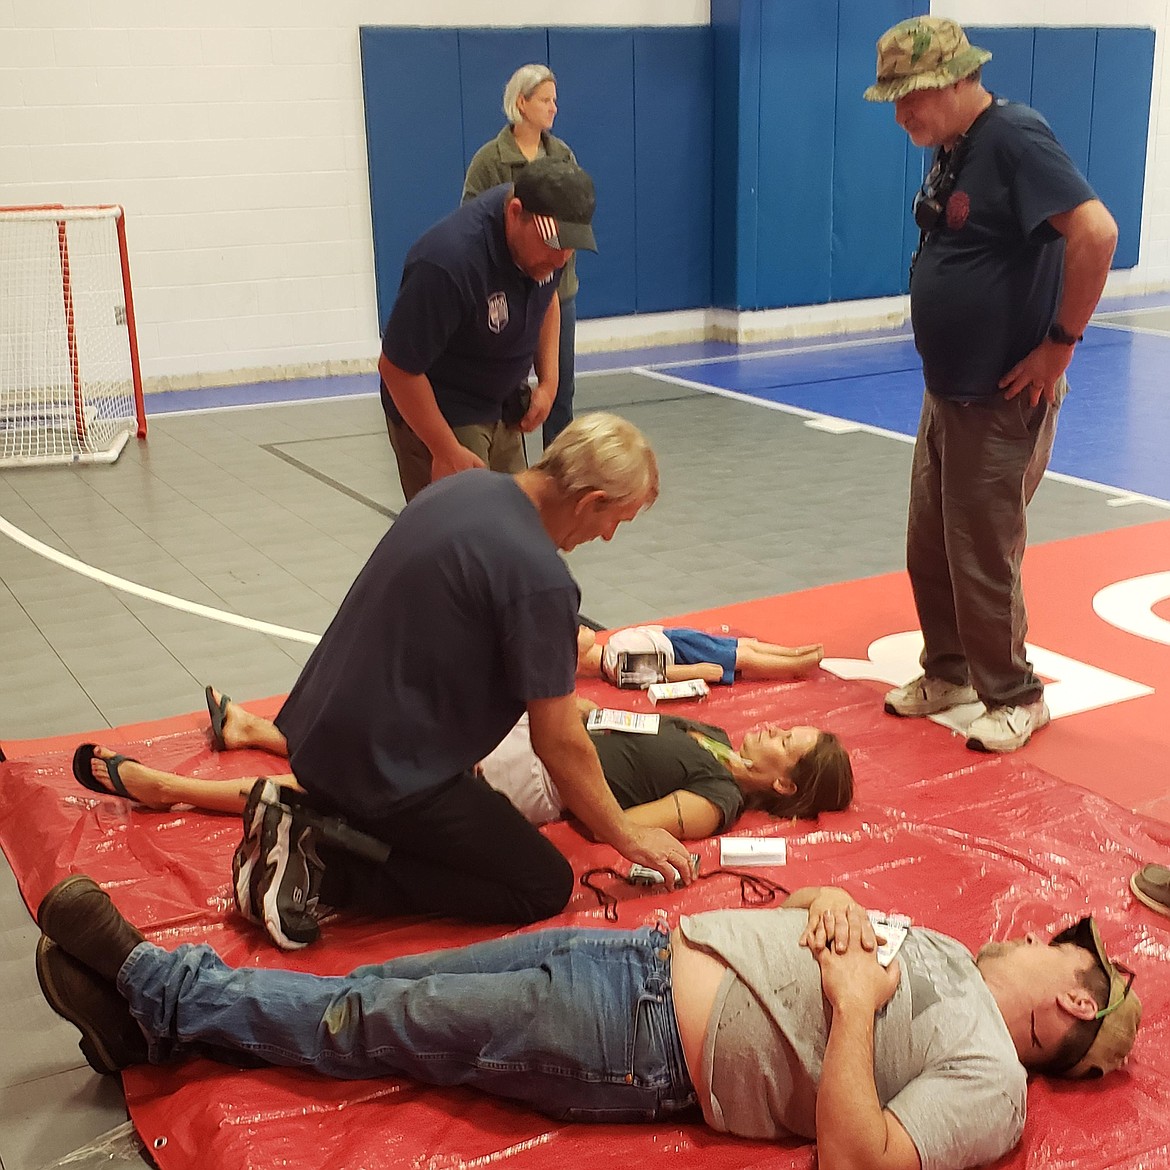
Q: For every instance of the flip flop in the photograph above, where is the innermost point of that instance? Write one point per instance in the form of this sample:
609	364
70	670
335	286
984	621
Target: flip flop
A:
82	772
218	713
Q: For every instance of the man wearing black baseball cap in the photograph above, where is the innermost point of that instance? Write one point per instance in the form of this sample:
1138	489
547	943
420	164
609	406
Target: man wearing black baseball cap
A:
476	310
559	195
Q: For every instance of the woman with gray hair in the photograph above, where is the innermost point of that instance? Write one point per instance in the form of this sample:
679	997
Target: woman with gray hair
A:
530	105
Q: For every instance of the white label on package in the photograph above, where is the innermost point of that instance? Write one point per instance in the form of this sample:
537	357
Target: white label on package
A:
891	930
691	688
605	719
739	851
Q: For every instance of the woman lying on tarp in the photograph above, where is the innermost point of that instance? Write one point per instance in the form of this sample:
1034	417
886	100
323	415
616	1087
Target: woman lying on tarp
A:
685	778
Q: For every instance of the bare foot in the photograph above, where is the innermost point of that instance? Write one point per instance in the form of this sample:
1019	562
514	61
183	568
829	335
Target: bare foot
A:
234	723
805	658
242	729
814	650
140	781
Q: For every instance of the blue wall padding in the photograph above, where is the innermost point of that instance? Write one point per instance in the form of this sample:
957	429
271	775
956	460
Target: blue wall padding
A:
1093	87
872	185
1009	72
433	98
795	193
595	78
813	219
487	58
724	154
736	164
735	26
673	77
1121	114
1063	64
414	140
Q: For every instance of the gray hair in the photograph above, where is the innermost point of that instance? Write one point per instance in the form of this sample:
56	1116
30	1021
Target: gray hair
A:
602	452
522	84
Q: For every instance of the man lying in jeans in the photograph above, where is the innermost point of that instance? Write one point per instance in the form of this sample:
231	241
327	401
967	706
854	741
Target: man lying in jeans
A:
919	1063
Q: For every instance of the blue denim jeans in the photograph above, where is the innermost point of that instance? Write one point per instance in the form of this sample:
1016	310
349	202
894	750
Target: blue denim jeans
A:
576	1023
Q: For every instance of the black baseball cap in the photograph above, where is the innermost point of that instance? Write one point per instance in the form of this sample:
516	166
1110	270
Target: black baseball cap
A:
559	194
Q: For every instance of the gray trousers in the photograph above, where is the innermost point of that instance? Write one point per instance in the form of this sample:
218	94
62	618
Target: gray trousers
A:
976	467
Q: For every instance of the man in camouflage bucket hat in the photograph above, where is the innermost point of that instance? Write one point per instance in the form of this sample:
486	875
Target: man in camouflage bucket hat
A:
1012	257
927	52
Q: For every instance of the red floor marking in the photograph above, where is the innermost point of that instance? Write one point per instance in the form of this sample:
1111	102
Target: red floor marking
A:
1120	751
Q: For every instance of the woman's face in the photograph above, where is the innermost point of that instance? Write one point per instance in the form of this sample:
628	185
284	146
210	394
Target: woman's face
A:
774	750
539	109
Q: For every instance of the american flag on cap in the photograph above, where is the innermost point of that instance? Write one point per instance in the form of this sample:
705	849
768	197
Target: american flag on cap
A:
549	232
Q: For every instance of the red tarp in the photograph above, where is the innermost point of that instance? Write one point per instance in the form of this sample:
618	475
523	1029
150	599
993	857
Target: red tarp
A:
977	846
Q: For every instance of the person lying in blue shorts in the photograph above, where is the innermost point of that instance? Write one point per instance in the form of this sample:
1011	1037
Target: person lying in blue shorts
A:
638	656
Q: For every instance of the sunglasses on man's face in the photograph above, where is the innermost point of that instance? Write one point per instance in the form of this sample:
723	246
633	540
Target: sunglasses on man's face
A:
928	206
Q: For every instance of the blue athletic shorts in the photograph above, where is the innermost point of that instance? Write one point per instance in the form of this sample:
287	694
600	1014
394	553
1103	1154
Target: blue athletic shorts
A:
693	646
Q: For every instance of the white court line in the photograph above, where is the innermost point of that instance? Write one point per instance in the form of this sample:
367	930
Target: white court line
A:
167	599
1118	312
832	424
263	405
1143	330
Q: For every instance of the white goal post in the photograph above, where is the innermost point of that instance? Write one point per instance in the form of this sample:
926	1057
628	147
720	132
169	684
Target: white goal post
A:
70	385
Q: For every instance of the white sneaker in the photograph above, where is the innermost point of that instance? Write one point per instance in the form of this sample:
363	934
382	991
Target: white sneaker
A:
1004	729
928	696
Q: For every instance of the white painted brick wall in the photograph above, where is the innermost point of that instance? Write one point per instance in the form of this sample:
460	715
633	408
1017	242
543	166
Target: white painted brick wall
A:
234	136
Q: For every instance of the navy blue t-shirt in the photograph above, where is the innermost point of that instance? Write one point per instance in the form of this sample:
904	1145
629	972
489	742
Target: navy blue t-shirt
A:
464	613
987	282
465	315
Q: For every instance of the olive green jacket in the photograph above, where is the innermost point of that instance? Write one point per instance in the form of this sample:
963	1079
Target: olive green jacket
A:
500	161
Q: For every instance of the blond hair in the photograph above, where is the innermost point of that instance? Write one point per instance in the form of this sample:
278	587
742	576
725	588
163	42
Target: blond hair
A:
602	452
522	84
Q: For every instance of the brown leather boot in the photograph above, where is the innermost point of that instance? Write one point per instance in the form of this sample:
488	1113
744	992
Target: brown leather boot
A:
79	917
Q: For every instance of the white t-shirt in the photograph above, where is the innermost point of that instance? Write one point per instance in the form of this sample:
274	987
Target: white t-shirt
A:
635	640
514	769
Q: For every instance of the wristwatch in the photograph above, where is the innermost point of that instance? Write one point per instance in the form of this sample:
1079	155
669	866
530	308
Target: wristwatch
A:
1058	333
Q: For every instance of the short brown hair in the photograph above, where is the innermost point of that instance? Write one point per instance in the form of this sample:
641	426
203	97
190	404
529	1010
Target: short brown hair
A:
824	783
1081	1035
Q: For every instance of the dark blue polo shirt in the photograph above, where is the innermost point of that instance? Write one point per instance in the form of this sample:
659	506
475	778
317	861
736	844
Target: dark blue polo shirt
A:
465	315
464	614
987	282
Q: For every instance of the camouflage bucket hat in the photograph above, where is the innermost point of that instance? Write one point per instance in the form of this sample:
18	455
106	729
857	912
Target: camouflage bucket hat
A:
926	52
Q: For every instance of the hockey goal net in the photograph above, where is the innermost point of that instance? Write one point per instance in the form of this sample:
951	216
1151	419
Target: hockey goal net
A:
70	387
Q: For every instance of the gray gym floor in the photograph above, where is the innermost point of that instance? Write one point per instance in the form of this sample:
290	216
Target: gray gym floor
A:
267	513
